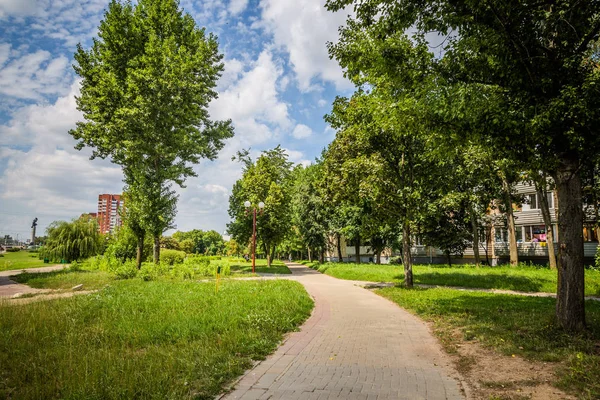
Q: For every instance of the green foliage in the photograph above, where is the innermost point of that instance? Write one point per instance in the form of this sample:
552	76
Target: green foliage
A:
149	340
598	258
126	270
269	180
72	241
13	249
200	242
172	257
146	107
122	245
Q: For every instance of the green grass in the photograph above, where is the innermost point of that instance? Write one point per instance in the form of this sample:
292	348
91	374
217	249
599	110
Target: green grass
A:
511	324
20	260
149	340
241	266
65	279
526	279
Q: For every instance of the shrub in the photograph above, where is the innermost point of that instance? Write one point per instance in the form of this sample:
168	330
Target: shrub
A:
127	270
598	257
75	266
13	249
151	271
225	267
172	257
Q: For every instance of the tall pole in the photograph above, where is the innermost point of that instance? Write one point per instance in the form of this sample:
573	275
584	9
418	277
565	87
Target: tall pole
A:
253	239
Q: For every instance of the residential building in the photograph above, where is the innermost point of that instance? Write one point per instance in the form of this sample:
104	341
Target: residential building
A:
109	217
530	233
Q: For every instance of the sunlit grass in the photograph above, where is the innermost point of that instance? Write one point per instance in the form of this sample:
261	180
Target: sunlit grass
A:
136	339
522	278
511	324
20	260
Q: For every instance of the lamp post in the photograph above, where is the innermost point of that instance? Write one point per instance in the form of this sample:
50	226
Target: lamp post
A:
261	206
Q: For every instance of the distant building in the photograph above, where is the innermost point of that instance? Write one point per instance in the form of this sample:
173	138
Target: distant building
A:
109	206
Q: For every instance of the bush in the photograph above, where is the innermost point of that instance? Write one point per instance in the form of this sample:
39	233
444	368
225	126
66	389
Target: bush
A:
172	257
151	271
13	249
75	266
127	270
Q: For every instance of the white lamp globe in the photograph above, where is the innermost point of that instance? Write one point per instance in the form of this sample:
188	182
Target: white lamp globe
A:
261	205
246	204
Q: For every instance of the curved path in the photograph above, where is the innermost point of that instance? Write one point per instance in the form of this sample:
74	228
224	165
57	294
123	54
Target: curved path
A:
9	288
355	345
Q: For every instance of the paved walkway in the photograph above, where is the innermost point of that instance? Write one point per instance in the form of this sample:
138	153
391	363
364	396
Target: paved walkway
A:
355	345
9	288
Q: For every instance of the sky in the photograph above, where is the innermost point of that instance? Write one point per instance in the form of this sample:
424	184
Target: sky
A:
277	85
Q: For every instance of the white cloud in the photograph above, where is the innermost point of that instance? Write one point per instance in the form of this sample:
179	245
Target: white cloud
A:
302	131
302	28
17	8
252	101
32	76
237	6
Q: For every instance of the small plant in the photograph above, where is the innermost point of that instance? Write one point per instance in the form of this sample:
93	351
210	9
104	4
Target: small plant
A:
75	266
127	270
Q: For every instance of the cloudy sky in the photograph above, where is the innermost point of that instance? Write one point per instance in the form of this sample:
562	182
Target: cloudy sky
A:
278	84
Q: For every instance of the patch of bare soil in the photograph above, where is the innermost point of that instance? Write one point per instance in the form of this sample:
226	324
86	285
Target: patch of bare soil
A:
490	375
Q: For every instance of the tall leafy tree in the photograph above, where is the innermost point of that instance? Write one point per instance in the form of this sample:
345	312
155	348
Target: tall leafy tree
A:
541	59
146	85
268	179
73	241
309	210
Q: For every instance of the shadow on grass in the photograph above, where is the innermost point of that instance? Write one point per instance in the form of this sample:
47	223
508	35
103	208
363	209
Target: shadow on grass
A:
509	282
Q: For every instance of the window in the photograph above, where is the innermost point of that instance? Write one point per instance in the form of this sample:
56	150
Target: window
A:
590	234
532	202
535	233
501	235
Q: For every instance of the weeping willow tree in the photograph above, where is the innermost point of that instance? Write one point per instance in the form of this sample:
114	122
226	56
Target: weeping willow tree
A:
72	241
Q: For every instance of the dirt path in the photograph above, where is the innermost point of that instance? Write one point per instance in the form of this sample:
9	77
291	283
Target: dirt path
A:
355	345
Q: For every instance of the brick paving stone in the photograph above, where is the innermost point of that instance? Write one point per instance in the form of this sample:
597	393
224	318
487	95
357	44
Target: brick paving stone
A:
355	345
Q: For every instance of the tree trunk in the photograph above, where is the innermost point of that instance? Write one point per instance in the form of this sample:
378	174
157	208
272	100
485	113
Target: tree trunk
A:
449	258
475	228
570	303
309	254
512	239
339	247
378	257
139	253
542	194
156	250
322	257
273	252
357	250
406	258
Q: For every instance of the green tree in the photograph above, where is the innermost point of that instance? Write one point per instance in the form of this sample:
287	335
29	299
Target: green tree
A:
541	60
146	84
267	180
309	210
73	241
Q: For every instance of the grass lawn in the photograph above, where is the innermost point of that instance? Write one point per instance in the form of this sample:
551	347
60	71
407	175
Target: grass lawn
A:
526	279
511	325
20	260
151	340
66	279
238	265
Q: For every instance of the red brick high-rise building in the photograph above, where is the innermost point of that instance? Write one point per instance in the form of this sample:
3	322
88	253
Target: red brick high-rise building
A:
109	206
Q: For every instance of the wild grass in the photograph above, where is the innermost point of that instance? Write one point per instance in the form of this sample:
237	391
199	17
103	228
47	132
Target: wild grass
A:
522	278
20	260
512	324
65	279
151	340
239	265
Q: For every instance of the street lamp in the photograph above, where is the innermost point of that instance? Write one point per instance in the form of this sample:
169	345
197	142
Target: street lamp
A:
261	206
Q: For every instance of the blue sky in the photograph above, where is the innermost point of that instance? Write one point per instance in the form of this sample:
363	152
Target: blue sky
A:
278	84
